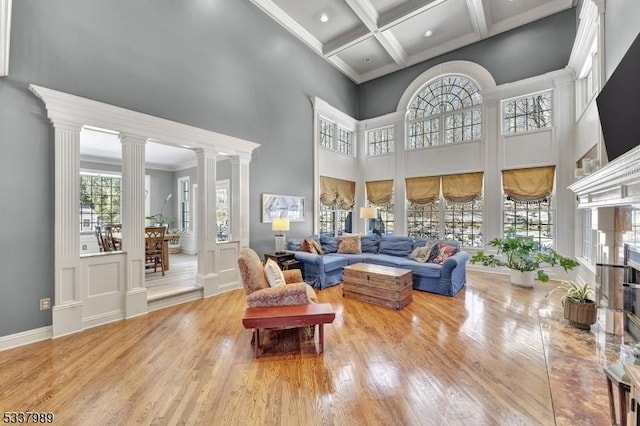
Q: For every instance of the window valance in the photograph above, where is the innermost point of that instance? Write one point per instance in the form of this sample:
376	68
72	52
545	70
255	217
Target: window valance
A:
337	191
462	188
533	184
379	191
422	190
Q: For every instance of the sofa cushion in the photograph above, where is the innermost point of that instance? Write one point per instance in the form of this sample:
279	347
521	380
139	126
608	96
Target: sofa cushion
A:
294	244
370	244
349	244
396	246
430	270
333	261
355	258
329	244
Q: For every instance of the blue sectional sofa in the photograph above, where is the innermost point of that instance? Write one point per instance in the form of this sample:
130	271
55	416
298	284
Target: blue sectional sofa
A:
326	270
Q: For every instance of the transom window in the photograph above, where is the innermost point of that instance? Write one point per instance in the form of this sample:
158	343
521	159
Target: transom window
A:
447	110
99	200
335	138
527	113
380	141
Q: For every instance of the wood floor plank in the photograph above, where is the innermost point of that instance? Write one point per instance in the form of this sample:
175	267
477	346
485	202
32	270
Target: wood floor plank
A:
494	354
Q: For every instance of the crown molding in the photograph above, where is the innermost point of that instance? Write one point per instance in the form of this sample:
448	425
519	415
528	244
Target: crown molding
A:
587	31
5	35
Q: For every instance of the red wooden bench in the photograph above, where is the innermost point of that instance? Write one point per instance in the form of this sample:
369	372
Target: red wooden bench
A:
289	316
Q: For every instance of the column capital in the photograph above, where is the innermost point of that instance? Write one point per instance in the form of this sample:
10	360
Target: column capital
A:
206	153
601	5
131	138
68	126
243	158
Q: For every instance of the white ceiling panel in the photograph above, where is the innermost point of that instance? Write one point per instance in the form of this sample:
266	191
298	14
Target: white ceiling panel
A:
308	13
391	32
447	21
356	56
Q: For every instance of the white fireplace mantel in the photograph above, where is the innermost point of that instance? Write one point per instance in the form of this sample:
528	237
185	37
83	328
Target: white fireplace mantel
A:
615	184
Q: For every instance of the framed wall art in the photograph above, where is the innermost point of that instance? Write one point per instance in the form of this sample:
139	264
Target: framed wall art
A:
282	206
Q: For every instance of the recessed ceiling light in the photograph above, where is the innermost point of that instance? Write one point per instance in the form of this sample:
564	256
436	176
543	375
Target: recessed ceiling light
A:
428	33
324	17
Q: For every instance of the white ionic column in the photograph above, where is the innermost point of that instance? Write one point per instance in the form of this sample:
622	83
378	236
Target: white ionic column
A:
206	238
240	198
132	205
67	309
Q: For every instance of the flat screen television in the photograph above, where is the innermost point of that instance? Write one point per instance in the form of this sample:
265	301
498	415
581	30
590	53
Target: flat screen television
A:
619	105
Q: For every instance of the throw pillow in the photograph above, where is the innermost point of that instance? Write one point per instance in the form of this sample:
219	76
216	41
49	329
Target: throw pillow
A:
421	254
275	276
444	252
305	246
315	247
349	244
435	250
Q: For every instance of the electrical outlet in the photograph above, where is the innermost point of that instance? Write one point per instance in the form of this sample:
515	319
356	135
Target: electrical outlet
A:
84	247
45	304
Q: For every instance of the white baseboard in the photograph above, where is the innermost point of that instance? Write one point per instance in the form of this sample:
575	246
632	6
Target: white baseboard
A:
102	319
25	337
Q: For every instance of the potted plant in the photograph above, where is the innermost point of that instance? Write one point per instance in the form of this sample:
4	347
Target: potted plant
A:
159	219
521	255
579	309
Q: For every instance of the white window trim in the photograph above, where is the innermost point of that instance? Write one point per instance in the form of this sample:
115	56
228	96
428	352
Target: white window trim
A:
180	198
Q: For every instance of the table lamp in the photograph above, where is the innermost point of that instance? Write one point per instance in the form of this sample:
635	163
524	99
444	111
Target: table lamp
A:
279	225
368	213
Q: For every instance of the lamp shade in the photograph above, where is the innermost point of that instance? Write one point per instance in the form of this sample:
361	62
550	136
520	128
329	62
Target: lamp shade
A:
368	213
280	224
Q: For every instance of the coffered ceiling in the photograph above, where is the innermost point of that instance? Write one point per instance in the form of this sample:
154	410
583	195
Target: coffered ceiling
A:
366	39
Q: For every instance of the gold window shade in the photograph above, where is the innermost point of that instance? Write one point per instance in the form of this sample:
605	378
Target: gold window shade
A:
341	192
462	188
423	190
532	184
379	191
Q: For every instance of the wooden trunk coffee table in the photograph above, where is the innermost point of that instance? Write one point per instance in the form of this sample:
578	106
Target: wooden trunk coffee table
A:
377	284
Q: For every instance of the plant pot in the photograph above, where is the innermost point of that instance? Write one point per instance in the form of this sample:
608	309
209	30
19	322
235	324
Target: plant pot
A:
523	279
580	315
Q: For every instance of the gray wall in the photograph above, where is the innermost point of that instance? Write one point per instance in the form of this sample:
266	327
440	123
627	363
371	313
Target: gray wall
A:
622	26
527	51
223	66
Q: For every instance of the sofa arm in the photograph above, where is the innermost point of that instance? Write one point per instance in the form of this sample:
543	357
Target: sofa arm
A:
309	258
293	276
458	260
290	294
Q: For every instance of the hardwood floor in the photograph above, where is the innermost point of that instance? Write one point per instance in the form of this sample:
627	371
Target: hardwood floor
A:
494	354
180	278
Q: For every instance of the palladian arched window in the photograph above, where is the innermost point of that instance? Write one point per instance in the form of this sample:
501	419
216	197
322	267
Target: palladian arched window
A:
445	111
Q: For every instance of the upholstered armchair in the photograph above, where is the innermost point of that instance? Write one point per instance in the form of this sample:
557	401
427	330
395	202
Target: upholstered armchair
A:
256	286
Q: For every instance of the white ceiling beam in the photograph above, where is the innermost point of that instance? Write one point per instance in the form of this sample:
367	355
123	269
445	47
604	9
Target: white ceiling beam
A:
478	18
338	44
368	14
5	33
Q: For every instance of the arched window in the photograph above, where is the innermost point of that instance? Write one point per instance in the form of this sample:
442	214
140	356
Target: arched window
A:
445	111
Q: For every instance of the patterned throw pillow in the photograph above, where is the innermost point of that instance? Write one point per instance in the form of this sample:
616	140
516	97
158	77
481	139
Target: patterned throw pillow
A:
305	246
421	254
350	244
315	247
275	276
444	252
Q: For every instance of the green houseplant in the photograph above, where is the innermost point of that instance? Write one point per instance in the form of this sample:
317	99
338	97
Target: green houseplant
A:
579	309
521	255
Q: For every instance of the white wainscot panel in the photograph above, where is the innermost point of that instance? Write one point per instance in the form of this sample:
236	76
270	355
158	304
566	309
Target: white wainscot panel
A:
528	150
337	166
459	158
587	131
103	284
228	265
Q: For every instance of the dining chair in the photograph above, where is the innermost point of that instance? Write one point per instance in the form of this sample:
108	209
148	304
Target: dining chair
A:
154	247
99	237
110	229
